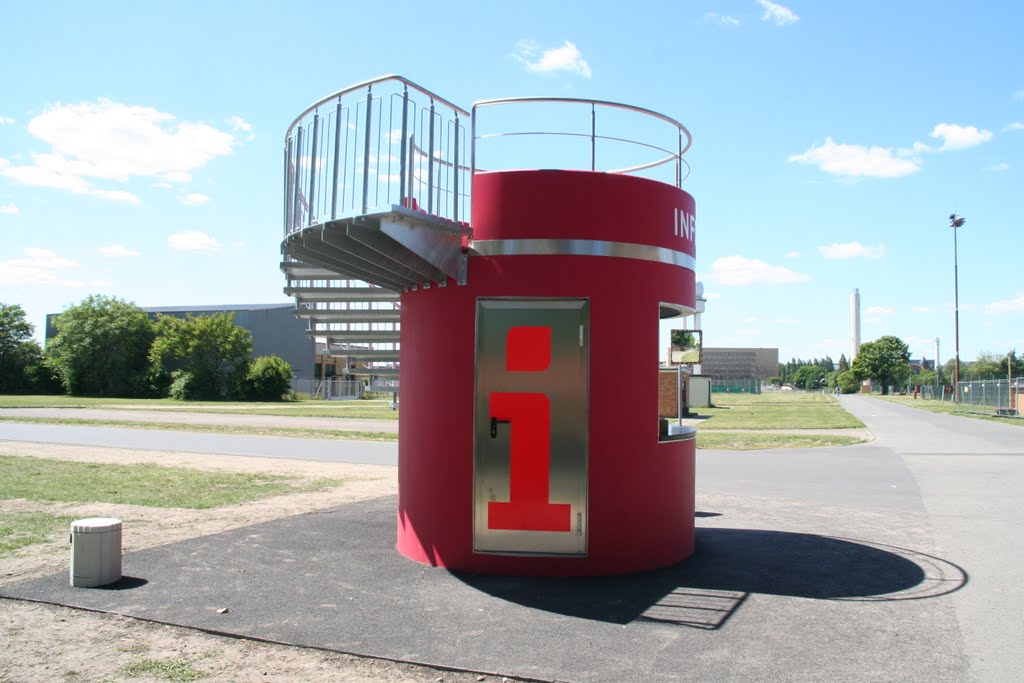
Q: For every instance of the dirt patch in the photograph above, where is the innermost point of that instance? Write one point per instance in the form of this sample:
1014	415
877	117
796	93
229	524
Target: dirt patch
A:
47	643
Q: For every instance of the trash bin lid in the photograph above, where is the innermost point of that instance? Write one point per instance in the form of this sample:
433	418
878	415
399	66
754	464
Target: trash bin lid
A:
95	525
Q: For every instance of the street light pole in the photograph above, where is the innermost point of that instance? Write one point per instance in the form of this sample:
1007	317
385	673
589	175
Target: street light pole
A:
956	222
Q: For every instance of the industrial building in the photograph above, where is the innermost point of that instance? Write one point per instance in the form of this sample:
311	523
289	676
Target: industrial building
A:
723	363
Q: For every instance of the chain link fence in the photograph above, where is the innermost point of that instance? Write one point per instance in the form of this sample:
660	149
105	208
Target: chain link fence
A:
327	389
997	396
991	397
737	385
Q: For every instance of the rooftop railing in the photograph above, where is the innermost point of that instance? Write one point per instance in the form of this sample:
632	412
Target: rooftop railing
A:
367	147
579	134
389	141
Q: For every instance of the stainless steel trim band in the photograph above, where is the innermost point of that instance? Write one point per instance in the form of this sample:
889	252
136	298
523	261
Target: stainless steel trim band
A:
566	247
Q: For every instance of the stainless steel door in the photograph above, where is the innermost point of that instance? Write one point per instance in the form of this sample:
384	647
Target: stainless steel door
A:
530	423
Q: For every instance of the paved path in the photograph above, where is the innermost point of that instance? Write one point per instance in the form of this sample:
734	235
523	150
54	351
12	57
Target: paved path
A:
971	479
892	560
181	416
332	450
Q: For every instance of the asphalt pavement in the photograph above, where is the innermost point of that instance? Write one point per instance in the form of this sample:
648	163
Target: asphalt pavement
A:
892	560
330	450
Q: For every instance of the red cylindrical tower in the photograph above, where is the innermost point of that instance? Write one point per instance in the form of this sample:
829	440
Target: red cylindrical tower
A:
529	431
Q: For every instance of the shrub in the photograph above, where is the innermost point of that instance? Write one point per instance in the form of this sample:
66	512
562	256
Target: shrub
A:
268	379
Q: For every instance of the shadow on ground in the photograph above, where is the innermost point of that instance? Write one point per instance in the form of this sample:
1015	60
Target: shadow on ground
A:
728	565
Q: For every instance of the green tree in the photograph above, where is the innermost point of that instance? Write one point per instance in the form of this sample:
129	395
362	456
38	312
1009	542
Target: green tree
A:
208	355
987	366
21	358
1011	361
101	348
844	364
808	377
885	360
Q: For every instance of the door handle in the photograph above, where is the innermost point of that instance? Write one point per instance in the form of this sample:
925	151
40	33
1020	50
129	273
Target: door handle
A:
494	426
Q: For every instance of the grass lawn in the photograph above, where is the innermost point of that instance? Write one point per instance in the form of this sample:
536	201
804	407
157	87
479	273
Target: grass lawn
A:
756	413
777	410
46	480
293	432
755	441
950	408
376	409
19	529
58	481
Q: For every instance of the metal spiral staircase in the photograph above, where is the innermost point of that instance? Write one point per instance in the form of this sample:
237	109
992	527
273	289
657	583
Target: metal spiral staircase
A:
377	194
359	164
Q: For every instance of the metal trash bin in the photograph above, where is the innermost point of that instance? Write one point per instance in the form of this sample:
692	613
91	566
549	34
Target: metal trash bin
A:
95	552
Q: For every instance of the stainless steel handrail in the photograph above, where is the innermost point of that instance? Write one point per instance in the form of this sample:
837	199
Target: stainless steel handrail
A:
388	140
675	156
357	150
577	100
365	84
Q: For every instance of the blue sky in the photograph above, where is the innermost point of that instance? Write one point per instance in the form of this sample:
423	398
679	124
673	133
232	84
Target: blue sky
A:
140	145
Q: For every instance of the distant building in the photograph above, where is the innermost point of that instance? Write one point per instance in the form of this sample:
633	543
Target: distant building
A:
919	364
274	328
739	363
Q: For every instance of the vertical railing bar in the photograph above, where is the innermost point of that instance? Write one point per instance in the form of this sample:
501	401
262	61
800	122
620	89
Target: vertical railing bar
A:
337	152
403	166
679	159
430	160
455	173
391	144
344	166
468	203
376	183
366	146
593	137
412	147
296	216
287	186
311	199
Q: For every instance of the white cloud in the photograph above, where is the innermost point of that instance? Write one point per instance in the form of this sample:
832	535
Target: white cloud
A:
239	124
565	58
178	177
117	251
778	14
959	137
738	271
39	266
192	240
879	310
1002	166
114	142
723	19
793	254
1016	125
116	196
1014	305
8	209
6	120
847	250
194	199
857	160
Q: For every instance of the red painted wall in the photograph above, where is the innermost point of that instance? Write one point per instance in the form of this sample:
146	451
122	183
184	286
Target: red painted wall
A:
641	492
